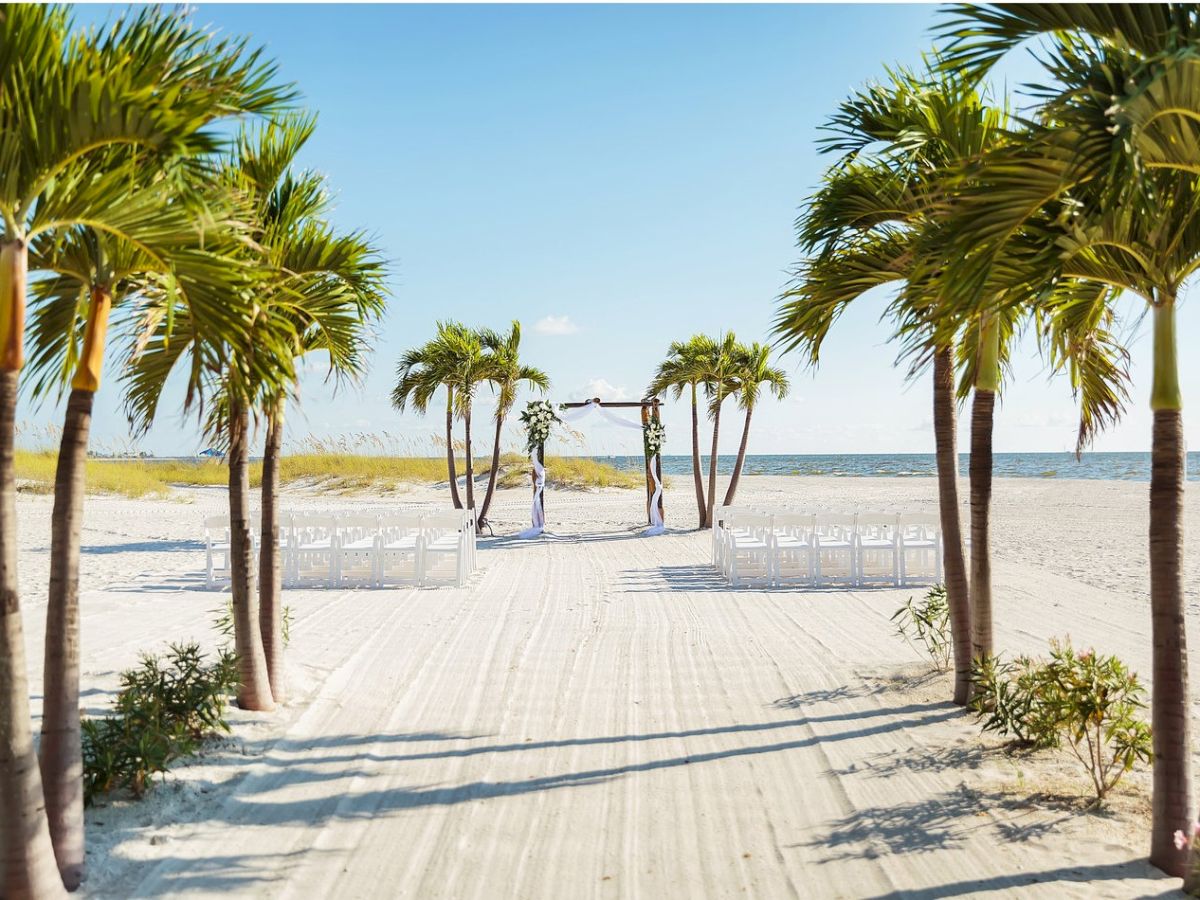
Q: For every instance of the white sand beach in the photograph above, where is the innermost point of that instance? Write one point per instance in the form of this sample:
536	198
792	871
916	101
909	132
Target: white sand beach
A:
597	715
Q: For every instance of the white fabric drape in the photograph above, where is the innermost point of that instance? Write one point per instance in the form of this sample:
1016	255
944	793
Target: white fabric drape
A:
656	519
538	516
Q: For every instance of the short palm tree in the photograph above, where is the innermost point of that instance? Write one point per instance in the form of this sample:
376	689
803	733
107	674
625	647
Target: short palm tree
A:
506	373
754	371
683	369
421	373
152	84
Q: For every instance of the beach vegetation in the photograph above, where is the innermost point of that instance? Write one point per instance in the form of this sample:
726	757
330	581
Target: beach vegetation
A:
925	626
1102	187
1084	702
163	712
506	372
105	131
754	371
684	369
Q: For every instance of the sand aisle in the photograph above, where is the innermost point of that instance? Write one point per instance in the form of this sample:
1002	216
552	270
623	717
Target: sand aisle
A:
598	716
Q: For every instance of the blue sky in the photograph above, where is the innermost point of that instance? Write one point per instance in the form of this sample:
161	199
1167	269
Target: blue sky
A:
615	177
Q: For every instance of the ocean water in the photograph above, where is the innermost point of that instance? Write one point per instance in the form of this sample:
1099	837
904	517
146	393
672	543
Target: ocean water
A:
1102	466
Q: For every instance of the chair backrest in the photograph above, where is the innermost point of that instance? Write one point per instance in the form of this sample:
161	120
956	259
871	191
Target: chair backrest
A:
444	521
729	513
309	528
795	522
836	525
881	526
752	521
400	521
926	525
355	528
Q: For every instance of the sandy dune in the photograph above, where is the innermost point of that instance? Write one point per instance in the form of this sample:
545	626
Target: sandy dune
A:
597	715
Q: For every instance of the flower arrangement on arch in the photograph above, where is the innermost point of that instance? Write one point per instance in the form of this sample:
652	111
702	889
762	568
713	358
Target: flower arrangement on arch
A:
654	433
538	417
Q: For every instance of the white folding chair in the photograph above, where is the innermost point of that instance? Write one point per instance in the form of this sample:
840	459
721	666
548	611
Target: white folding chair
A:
878	557
722	521
470	524
794	545
400	551
218	554
313	556
356	549
834	560
920	548
748	548
446	538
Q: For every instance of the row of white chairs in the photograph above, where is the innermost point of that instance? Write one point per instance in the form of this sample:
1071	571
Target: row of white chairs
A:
822	548
371	550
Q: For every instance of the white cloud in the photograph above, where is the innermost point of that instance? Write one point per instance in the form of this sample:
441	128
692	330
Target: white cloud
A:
599	387
555	325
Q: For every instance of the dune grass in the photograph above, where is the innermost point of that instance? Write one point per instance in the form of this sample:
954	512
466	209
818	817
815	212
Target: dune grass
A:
335	472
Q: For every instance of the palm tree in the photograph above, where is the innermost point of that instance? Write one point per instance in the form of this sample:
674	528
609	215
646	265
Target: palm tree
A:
328	287
870	224
506	372
754	370
683	369
421	373
151	85
719	368
1109	200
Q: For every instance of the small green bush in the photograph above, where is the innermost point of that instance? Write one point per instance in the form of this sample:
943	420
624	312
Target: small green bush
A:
165	708
1013	700
925	626
1085	701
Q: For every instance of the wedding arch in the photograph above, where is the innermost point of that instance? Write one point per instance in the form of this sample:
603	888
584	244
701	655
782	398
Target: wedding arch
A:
539	418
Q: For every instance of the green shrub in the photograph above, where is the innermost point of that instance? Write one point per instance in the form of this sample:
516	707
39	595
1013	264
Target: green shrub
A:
1085	701
165	708
1013	700
925	626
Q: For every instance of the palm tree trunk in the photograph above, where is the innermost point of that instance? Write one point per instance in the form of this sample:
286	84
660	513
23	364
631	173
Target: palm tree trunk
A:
254	692
697	471
27	866
712	466
740	461
452	469
1170	704
491	485
60	752
470	463
270	602
987	383
954	568
982	417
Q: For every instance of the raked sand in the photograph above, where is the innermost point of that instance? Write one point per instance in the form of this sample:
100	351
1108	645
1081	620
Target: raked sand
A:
597	715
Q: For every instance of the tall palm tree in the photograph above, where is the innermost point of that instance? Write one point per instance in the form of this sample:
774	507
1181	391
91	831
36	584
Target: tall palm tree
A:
328	288
1108	191
470	367
870	224
683	368
505	374
151	84
421	373
719	368
754	370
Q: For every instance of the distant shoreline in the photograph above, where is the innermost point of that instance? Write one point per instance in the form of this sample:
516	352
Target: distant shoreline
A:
1094	466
